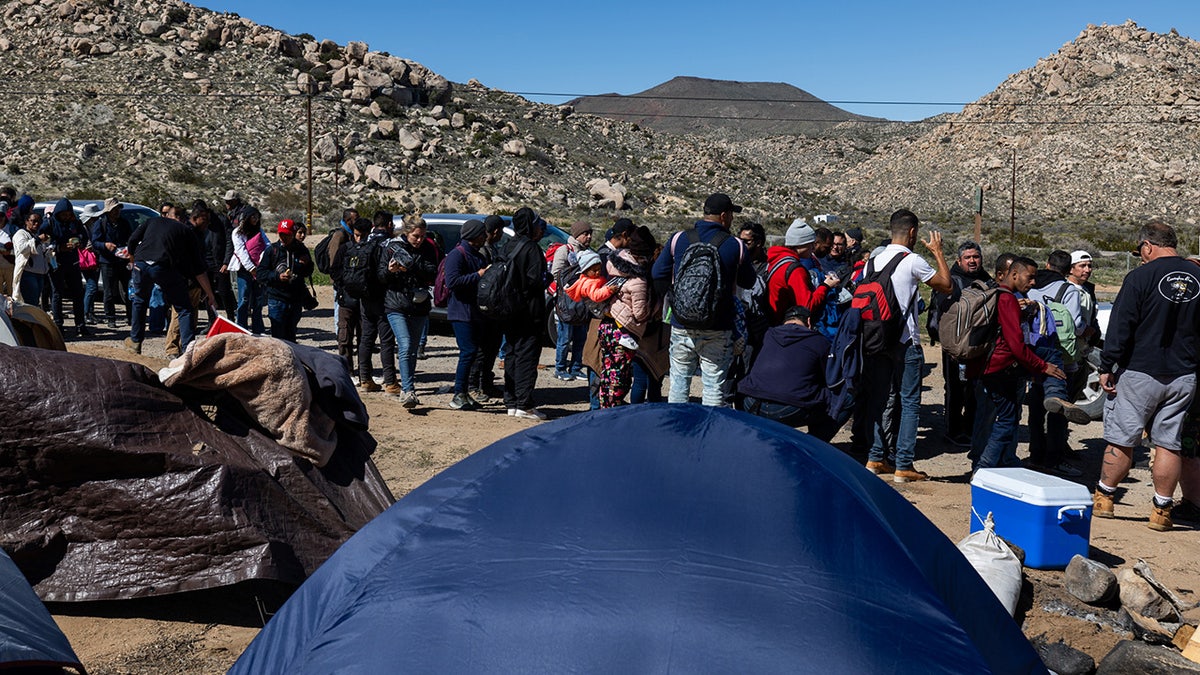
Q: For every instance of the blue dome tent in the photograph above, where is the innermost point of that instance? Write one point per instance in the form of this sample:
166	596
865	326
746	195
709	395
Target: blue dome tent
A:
648	538
29	638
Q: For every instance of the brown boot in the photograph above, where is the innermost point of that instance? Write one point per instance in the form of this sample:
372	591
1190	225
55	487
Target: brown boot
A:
909	476
369	385
878	468
1102	504
1160	518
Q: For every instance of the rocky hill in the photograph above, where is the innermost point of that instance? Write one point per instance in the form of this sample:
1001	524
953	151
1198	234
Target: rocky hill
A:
1106	128
696	105
158	99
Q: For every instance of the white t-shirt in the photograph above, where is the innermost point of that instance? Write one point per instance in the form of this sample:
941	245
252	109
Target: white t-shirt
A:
910	273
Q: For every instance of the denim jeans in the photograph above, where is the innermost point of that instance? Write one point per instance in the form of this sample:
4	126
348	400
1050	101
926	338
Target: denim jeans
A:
999	410
91	284
175	294
711	350
817	420
249	307
645	388
31	287
894	404
570	343
285	318
467	335
1047	432
407	329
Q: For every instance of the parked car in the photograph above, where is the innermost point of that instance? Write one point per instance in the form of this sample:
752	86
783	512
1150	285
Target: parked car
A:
444	228
136	214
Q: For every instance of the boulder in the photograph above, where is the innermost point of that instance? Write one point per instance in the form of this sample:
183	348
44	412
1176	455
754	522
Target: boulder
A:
408	139
606	195
356	51
1137	657
102	49
514	147
1064	659
350	168
151	28
382	177
387	128
458	120
326	149
307	84
351	140
342	77
1139	596
374	79
1090	581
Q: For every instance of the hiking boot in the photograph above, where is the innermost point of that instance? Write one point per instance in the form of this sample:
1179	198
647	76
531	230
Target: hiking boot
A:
1102	504
410	400
133	347
909	476
878	468
1186	512
479	397
1069	410
370	385
393	388
463	402
531	414
1160	518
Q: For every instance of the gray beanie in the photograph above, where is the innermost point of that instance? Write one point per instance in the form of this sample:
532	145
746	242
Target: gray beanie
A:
471	229
586	259
799	233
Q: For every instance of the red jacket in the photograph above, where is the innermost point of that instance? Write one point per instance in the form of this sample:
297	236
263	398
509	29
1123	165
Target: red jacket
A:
1010	343
796	289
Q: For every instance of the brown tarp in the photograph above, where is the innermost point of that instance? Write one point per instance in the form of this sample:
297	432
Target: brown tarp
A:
112	486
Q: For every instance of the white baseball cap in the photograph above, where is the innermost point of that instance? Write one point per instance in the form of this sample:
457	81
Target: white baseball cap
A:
1080	256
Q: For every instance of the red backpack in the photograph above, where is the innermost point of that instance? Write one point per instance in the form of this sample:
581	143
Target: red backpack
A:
549	262
880	311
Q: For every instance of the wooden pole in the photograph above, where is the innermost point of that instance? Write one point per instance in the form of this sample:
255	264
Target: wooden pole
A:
308	218
1012	218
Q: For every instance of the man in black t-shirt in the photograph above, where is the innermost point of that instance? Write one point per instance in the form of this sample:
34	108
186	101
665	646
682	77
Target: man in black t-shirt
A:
1148	369
168	253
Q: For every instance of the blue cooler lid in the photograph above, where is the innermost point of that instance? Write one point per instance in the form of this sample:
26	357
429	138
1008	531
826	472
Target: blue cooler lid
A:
1032	487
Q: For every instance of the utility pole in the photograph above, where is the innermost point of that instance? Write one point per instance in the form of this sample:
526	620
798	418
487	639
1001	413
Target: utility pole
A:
1012	218
308	218
979	215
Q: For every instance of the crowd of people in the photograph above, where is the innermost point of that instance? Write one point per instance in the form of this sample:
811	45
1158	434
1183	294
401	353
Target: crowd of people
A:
814	333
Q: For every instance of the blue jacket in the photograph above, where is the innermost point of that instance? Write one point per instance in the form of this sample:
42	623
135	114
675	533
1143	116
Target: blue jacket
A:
736	268
790	368
844	366
463	263
61	233
106	230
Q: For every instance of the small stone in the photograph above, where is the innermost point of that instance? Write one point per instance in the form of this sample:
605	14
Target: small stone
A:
1137	657
1090	581
1064	659
1138	595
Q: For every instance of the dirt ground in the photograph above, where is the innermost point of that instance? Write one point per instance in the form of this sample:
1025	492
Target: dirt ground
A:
205	632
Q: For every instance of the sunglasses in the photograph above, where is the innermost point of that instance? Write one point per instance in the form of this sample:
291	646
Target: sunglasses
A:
1138	249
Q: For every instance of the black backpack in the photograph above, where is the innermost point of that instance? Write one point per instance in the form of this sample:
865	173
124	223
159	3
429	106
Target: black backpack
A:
358	268
321	254
494	294
568	311
698	282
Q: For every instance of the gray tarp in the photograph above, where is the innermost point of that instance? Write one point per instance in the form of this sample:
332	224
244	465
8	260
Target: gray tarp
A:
112	486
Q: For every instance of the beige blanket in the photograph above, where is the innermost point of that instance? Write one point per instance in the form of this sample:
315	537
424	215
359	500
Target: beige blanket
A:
266	378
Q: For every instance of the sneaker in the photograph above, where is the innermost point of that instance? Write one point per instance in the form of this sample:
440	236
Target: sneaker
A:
1103	504
909	476
531	414
370	385
1065	470
1186	512
579	377
410	400
1069	410
1160	517
393	388
628	342
90	318
133	347
878	468
512	412
463	402
479	397
565	377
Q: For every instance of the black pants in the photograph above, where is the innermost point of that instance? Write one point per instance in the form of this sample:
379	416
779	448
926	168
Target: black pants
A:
349	329
66	282
226	299
374	325
960	400
116	290
520	362
483	376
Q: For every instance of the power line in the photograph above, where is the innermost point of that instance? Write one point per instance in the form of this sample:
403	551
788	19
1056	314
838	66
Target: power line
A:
942	104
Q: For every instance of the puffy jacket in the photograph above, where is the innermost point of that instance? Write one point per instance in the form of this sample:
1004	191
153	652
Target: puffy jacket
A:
62	233
791	284
408	292
461	271
633	306
278	258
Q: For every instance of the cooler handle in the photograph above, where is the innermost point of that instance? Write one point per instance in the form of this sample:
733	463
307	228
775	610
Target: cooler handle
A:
1081	508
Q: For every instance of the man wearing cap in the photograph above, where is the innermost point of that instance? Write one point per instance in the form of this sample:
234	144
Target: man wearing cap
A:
1148	369
168	253
789	283
710	348
110	237
285	267
1080	272
568	352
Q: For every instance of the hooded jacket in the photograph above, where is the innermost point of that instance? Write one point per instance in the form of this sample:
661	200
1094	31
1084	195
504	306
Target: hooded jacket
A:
62	233
790	368
408	291
527	269
633	307
791	284
1046	286
107	230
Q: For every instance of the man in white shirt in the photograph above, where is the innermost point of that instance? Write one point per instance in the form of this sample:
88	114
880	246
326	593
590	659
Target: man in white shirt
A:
891	434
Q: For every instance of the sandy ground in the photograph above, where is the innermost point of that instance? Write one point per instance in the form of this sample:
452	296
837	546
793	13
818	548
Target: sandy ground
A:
205	632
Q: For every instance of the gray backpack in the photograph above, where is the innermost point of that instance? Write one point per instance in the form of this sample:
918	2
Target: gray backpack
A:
698	282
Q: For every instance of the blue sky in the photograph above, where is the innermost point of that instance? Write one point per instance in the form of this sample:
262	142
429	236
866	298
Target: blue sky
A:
838	50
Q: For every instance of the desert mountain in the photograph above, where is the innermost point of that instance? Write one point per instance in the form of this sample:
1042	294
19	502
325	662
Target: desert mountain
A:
158	99
695	105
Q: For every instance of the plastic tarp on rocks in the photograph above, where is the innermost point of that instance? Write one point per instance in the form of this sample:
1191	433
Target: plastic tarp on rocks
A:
28	635
648	538
112	486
